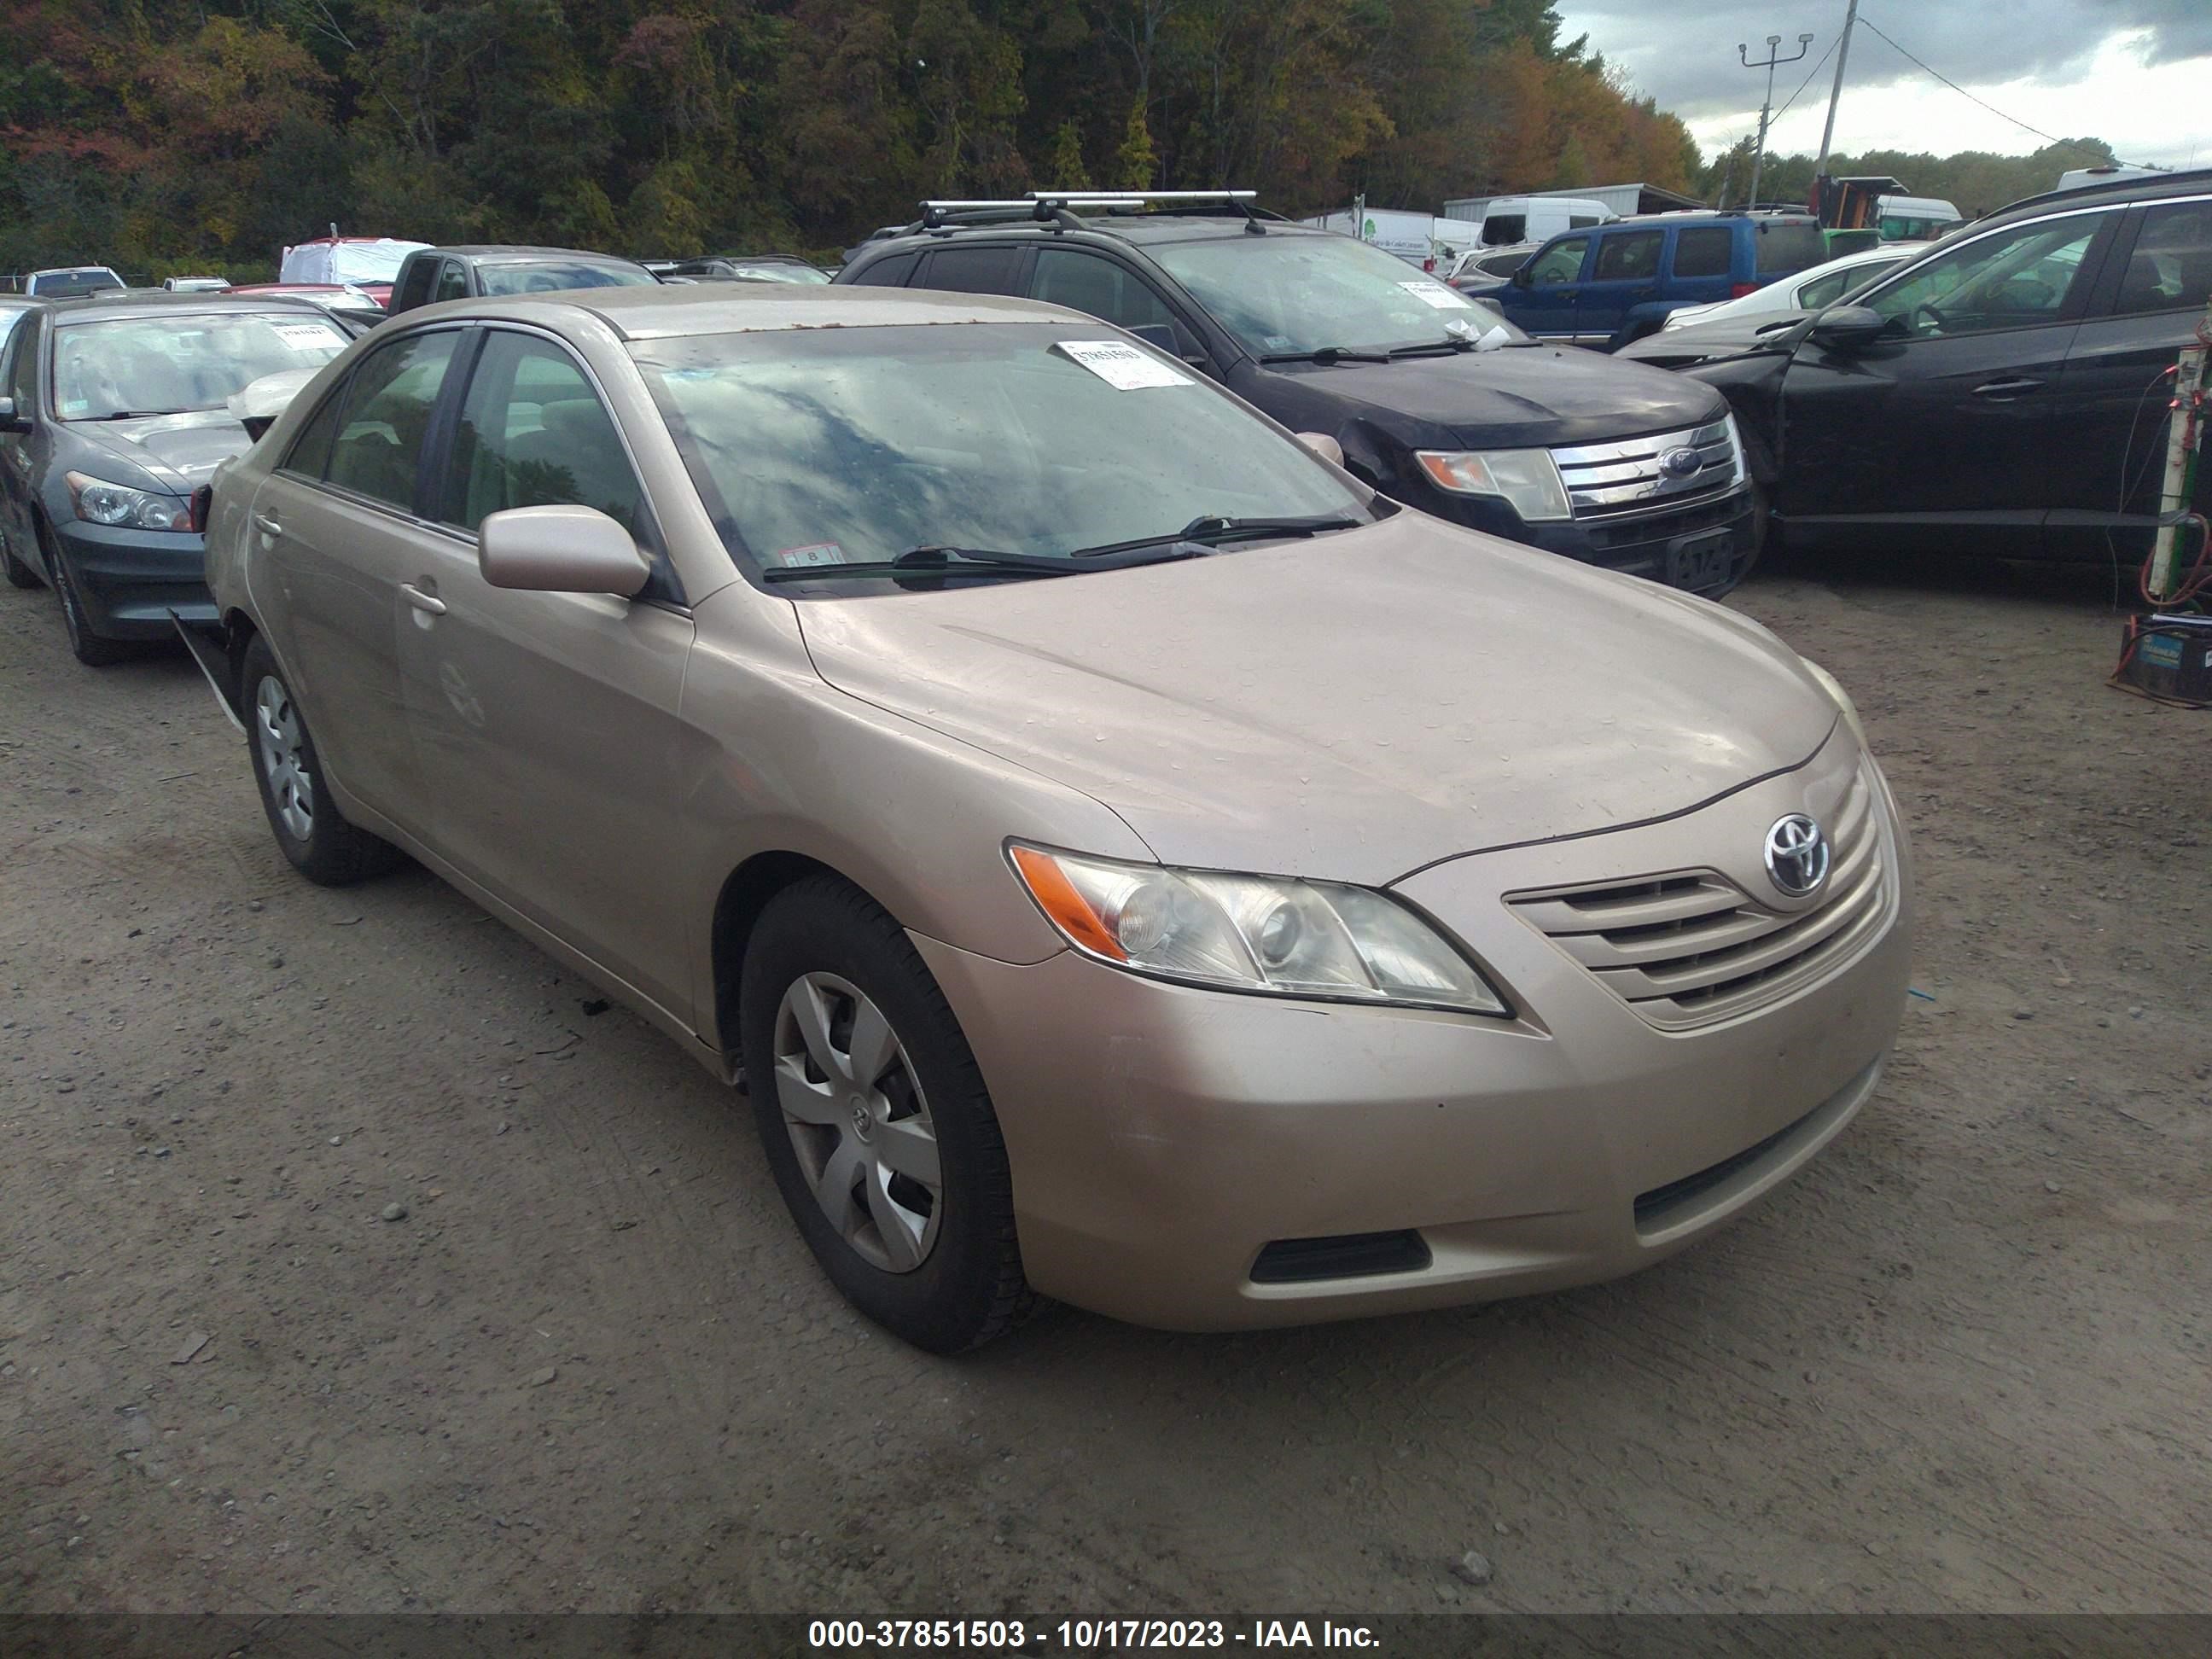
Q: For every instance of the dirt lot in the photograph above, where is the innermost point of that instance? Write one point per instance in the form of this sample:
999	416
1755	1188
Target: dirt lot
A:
1964	1362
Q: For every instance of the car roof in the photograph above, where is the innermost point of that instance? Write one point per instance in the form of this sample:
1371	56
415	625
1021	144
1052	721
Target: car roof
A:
2137	187
522	255
108	308
666	313
1180	225
1711	216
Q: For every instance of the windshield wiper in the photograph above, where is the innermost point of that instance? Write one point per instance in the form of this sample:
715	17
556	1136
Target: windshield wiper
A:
1434	347
1328	355
929	563
1210	529
139	414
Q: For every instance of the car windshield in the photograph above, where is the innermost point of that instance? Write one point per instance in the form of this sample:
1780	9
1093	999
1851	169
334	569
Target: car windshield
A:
163	364
70	284
828	446
1286	294
548	276
777	271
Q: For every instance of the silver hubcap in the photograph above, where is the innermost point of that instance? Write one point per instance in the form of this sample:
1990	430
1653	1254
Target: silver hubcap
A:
859	1122
291	786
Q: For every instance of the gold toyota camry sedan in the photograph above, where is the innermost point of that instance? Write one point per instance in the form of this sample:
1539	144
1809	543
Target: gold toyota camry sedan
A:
1126	858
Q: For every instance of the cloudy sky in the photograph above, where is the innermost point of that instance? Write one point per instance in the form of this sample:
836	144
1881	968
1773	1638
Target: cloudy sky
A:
2137	73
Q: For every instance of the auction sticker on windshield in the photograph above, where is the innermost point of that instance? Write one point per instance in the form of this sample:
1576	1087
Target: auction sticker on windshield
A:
307	335
1430	292
812	553
1122	366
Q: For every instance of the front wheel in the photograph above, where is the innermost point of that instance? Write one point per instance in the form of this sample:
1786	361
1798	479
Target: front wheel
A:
93	650
312	834
875	1121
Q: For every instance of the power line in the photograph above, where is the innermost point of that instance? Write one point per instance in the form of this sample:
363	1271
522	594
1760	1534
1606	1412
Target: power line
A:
2046	138
1807	81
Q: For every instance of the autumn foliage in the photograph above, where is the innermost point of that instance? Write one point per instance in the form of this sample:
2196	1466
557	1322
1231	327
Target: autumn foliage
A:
175	135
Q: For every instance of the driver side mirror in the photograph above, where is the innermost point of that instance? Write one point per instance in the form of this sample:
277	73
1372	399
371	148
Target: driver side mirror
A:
560	550
9	420
1524	278
1165	336
1323	446
1848	328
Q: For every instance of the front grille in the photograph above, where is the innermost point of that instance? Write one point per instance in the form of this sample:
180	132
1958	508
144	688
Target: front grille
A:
1691	947
1607	479
1653	530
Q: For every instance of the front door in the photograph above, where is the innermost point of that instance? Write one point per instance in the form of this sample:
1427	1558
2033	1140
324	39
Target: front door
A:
21	382
336	523
546	725
1548	306
1941	433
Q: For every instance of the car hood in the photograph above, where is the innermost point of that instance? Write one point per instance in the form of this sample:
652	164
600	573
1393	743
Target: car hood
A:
1519	396
1722	337
180	451
1352	706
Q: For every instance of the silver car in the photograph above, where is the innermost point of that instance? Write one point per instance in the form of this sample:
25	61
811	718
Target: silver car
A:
1127	858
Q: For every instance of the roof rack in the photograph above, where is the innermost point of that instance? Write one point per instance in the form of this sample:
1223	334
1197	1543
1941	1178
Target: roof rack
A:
1047	209
1119	197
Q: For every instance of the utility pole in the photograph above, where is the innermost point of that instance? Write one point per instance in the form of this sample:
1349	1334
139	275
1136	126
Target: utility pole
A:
1773	45
1835	96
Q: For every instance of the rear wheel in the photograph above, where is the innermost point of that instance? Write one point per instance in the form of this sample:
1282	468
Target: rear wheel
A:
874	1118
313	835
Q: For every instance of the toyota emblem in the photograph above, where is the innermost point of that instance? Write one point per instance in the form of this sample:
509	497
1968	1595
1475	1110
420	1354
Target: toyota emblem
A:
1681	463
1796	856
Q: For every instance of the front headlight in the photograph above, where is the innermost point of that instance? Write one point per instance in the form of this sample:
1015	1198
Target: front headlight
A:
1525	479
98	503
1265	933
1842	698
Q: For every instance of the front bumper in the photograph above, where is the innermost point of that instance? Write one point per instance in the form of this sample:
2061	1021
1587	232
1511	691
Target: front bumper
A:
1161	1137
1649	544
129	581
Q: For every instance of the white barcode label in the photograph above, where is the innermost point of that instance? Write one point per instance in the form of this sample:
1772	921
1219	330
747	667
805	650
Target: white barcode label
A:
1122	366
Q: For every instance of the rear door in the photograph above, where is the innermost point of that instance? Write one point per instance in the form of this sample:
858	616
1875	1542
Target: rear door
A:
1624	274
20	383
1550	305
976	268
1698	264
336	531
2113	392
545	725
1942	435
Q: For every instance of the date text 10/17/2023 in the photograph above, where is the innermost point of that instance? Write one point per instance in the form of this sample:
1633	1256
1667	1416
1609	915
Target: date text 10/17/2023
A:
1015	1635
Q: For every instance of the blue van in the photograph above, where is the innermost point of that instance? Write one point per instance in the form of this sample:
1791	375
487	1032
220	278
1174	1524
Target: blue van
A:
1612	284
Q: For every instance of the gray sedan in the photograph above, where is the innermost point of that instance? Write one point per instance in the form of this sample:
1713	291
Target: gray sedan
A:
111	414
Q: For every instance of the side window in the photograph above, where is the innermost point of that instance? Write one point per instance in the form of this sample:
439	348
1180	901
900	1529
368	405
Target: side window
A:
23	372
1703	251
1501	228
415	281
379	442
311	450
2012	278
453	282
1562	261
1088	282
1629	256
533	432
890	271
974	269
2171	268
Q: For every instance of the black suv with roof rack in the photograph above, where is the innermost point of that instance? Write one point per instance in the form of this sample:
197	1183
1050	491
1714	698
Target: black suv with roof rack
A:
1434	399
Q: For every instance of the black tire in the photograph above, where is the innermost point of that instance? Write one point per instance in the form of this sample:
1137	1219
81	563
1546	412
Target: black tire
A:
1630	333
969	1286
19	575
93	650
332	852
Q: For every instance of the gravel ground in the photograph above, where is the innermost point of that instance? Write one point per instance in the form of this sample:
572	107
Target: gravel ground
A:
1962	1362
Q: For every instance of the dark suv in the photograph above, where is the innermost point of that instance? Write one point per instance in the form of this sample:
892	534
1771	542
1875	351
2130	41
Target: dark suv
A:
1433	398
1614	283
431	274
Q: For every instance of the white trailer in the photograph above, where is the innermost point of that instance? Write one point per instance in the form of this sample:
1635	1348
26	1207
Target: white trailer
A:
1411	236
1502	220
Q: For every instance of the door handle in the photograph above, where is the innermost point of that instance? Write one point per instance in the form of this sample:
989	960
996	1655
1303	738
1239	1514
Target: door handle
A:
2006	390
267	526
422	601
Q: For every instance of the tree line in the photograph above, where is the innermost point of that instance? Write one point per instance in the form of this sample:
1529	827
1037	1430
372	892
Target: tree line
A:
1975	182
177	137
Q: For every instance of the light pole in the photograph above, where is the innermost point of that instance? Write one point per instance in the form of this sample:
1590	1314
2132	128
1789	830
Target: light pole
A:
1773	45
